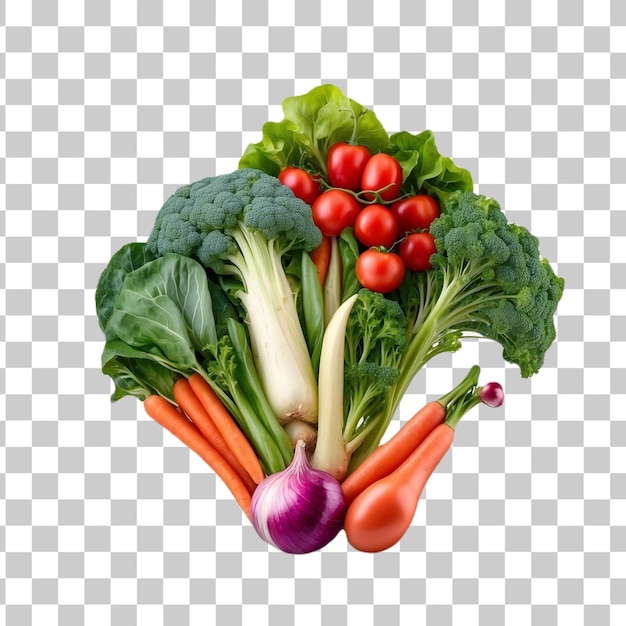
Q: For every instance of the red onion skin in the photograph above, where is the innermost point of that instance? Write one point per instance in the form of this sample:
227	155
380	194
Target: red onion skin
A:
492	394
300	509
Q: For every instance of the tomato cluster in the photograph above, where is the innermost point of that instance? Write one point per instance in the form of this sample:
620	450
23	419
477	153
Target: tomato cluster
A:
363	191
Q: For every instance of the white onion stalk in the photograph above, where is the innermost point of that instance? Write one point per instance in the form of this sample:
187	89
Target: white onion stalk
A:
300	509
277	341
330	453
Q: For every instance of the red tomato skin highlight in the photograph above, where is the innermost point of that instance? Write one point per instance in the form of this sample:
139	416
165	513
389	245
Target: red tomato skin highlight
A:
335	210
416	250
301	183
415	212
345	164
382	171
375	225
379	271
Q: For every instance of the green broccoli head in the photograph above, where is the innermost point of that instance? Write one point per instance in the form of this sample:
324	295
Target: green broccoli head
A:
376	378
375	342
503	289
209	218
377	328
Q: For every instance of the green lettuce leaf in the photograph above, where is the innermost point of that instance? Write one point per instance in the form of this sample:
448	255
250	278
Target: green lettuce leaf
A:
312	123
425	170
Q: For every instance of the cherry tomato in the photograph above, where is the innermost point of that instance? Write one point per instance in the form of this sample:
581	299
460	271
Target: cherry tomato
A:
335	210
416	250
379	271
376	225
415	212
382	171
345	165
301	183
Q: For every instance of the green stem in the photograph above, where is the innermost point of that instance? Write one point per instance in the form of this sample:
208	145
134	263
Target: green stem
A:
356	412
357	440
461	406
253	398
469	382
355	122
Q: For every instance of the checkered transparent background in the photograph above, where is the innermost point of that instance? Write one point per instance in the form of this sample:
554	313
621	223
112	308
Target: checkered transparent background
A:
109	106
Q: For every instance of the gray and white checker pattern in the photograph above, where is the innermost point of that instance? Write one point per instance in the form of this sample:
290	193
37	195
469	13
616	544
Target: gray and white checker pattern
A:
108	107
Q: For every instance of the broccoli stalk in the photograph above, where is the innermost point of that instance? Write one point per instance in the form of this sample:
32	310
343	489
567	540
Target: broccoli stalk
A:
243	226
488	280
375	343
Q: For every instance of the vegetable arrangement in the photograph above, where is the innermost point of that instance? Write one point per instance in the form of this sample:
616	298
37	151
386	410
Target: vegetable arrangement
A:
276	316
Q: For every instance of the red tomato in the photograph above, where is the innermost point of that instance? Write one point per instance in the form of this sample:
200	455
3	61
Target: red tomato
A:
335	210
376	226
345	165
416	250
382	171
301	183
415	213
379	271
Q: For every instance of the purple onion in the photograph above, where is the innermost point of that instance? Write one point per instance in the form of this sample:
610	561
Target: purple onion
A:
492	394
300	509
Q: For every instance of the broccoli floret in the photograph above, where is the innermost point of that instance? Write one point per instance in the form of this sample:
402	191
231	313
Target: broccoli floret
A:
215	247
245	225
375	342
217	220
376	325
365	386
488	279
496	282
244	198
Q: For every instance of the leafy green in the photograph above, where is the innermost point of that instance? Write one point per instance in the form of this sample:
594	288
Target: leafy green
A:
129	257
425	169
376	339
488	280
312	123
183	281
136	372
144	322
243	227
162	326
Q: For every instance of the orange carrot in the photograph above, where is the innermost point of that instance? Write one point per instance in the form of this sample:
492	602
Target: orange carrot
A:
188	401
390	455
321	257
165	413
381	514
227	426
